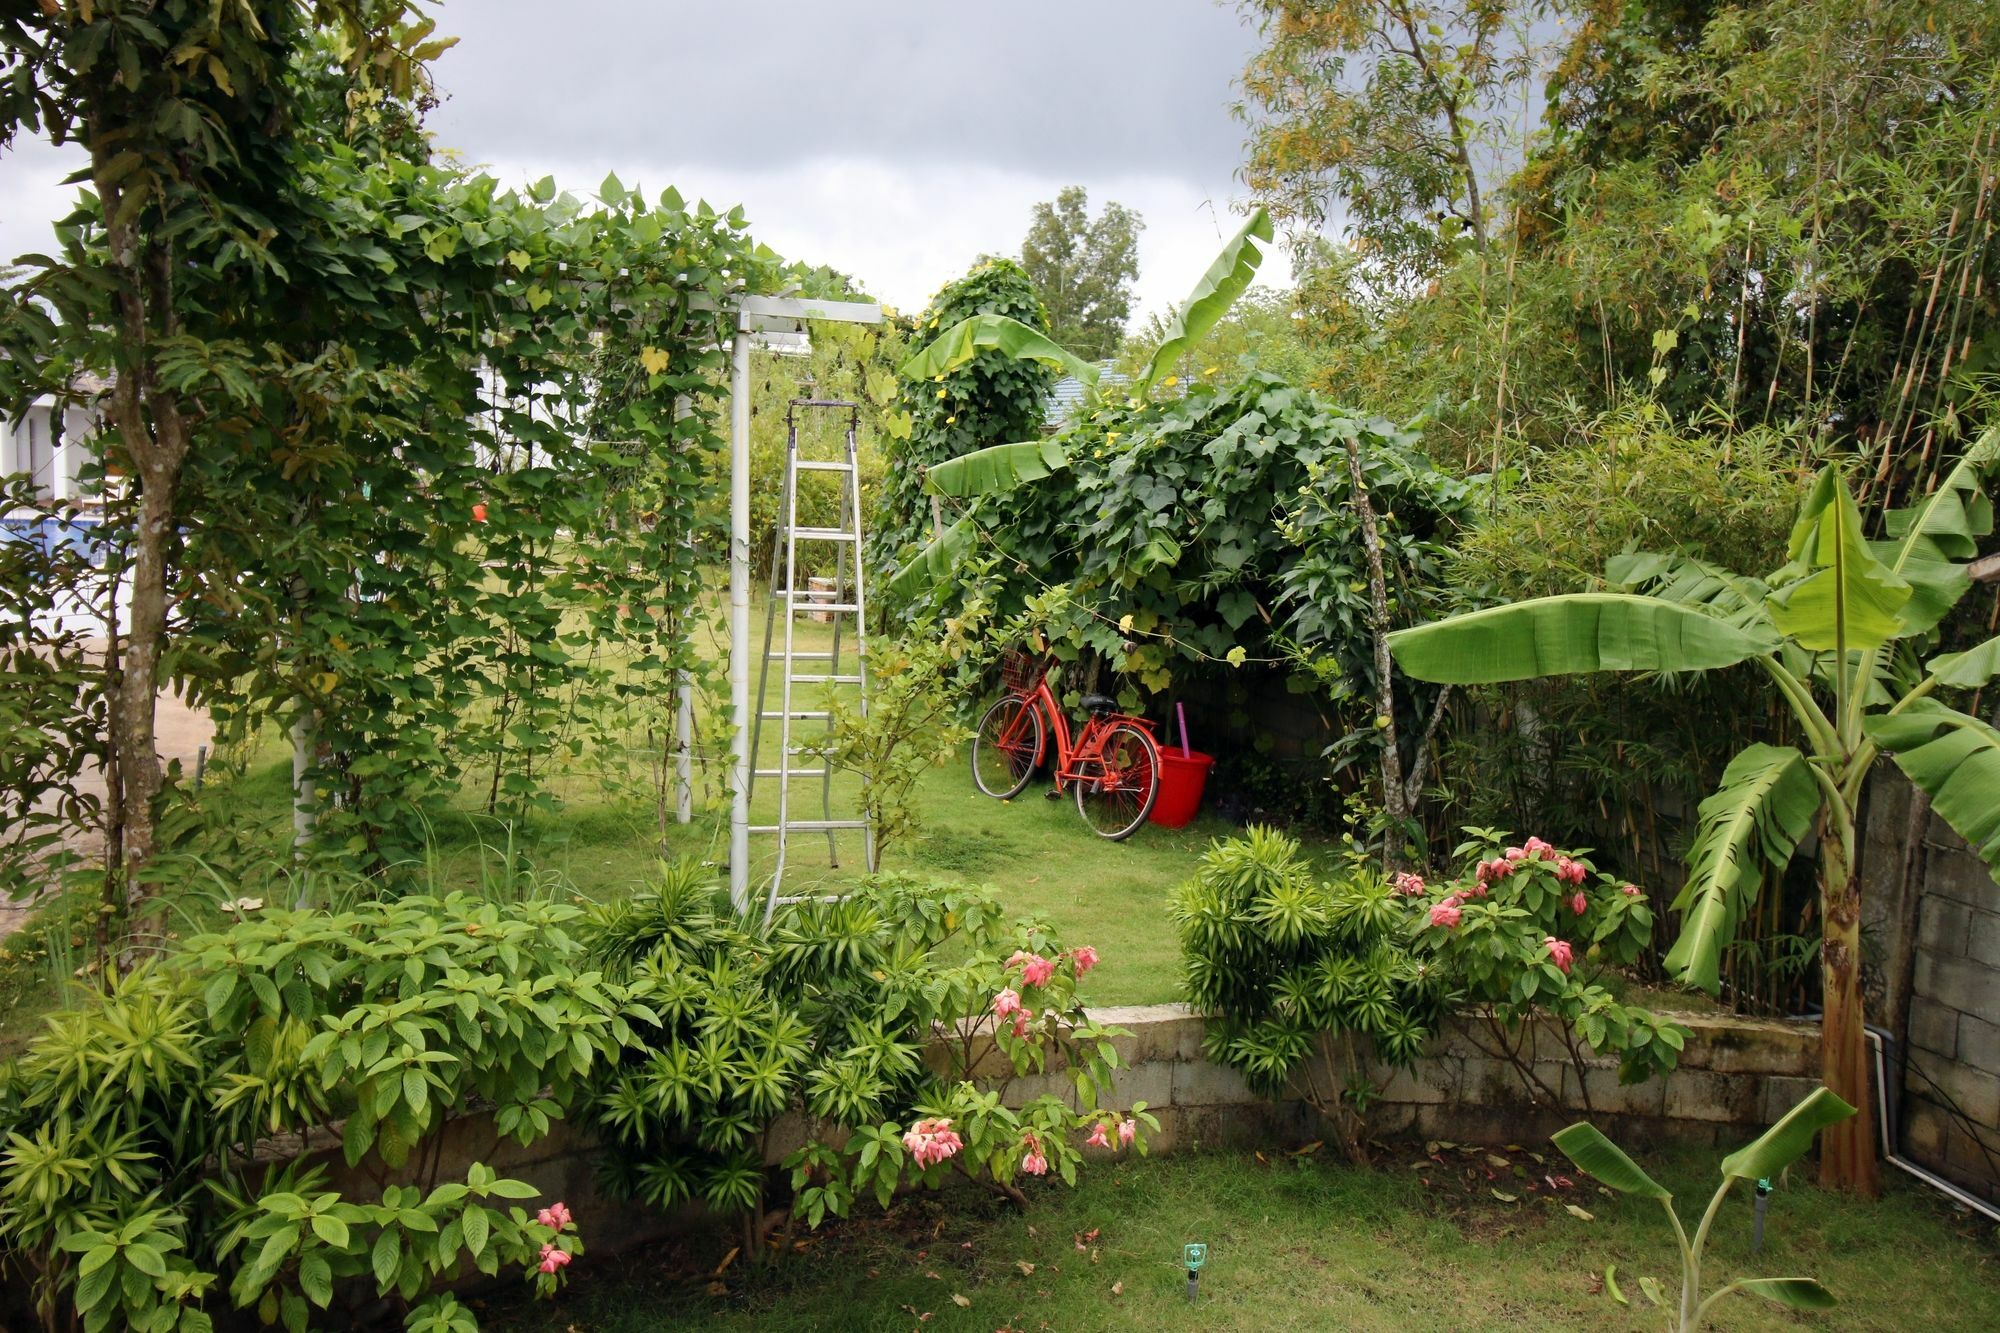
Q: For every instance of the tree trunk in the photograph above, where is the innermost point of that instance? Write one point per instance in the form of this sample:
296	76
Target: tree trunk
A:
1847	1158
138	687
1395	806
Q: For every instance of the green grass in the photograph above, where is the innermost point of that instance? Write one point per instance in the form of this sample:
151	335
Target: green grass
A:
1299	1244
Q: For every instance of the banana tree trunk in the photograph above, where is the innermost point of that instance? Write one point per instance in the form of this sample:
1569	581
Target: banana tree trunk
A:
1847	1150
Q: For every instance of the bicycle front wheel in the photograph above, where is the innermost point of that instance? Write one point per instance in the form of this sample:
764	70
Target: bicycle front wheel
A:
1117	798
1007	747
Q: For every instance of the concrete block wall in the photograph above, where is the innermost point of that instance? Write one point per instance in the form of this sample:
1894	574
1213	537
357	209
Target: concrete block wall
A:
1947	929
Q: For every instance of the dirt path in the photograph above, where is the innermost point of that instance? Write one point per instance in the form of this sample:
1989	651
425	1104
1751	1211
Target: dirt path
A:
181	732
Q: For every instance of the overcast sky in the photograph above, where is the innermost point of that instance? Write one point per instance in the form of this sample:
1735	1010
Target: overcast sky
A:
896	140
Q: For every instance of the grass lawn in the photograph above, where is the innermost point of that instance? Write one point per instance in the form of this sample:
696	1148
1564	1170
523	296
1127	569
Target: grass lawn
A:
1301	1243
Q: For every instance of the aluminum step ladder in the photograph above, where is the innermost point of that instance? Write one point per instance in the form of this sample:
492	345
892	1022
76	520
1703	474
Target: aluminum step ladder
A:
843	601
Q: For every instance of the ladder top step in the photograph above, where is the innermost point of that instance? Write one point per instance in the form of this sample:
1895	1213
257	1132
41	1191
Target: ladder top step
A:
811	825
791	772
822	535
821	678
819	465
809	714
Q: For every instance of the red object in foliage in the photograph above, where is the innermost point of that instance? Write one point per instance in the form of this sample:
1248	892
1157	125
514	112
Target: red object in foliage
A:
479	513
1182	778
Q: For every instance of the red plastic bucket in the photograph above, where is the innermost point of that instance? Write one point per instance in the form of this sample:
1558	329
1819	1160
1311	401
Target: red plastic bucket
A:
1182	778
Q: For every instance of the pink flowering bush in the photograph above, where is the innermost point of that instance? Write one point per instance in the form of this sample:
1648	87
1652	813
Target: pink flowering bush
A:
1534	929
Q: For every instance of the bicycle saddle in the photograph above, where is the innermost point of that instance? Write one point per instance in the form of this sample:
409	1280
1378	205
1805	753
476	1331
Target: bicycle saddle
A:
1098	704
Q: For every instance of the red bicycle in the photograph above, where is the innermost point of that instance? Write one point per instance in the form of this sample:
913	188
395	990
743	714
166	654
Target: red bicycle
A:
1113	764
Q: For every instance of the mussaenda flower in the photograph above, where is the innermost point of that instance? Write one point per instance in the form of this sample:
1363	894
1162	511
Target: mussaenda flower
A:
553	1258
1127	1128
1579	904
1008	1001
1409	885
1021	1021
1034	1164
1536	847
555	1216
1515	854
1570	872
1085	958
1632	891
932	1141
1098	1138
1445	914
1560	952
1036	970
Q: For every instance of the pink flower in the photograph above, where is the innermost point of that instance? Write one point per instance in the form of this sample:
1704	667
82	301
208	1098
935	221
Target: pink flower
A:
553	1258
1478	890
1570	872
1085	958
1445	914
1036	970
1098	1138
1536	847
932	1141
1632	891
1516	853
1127	1128
556	1217
1008	1001
1034	1164
1579	904
1021	1021
1560	952
1409	885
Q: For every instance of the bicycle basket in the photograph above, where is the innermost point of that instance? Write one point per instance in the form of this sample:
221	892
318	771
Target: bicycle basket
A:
1020	672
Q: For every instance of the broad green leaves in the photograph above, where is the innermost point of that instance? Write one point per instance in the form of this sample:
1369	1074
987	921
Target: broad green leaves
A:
1794	1293
1599	1157
993	333
1956	759
1785	1142
1227	278
1850	600
997	468
1752	822
1570	635
934	563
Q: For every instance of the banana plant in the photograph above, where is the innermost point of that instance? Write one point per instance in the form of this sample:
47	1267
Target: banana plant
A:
1778	1147
1842	630
1005	467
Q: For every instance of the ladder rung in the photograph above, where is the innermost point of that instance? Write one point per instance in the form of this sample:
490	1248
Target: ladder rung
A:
822	535
810	715
800	604
820	678
791	772
810	898
812	657
811	825
813	465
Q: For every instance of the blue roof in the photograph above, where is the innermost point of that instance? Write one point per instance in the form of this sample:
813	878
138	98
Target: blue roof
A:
1067	394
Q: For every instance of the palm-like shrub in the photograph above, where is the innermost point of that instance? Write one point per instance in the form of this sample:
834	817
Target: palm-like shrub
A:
1291	968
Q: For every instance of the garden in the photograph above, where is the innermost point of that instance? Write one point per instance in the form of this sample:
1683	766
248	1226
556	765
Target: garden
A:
1465	792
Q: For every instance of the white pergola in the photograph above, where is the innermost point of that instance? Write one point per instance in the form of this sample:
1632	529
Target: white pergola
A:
770	321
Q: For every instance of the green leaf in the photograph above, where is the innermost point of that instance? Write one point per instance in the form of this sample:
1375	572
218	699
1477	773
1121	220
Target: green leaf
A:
1227	278
316	1280
1599	1157
1785	1142
1755	819
1571	635
993	333
1853	601
1948	523
331	1230
476	1227
385	1257
1956	759
935	563
1797	1293
997	468
1611	1285
1970	669
1695	584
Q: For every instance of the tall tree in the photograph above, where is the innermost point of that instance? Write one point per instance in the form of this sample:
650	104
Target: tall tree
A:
1083	268
1390	114
187	111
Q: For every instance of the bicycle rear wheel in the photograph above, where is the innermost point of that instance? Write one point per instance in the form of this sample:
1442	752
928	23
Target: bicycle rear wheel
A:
1116	800
1007	747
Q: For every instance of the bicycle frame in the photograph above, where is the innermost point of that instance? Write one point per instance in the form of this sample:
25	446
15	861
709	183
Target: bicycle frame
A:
1078	755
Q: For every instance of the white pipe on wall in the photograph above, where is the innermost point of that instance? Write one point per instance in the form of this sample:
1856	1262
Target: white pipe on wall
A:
739	616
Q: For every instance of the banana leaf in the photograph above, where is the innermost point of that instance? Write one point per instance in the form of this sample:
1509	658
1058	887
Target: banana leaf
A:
1725	594
1572	635
1753	820
1796	1293
1606	1162
1970	669
999	467
934	563
1785	1142
1956	759
1227	278
1843	596
993	333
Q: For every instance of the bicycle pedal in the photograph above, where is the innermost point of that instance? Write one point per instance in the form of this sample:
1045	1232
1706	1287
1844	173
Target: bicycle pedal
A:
1052	795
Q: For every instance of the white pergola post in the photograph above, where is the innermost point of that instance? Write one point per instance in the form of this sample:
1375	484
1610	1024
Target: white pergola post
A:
755	315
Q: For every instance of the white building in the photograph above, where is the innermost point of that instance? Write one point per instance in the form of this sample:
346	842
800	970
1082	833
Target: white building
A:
50	448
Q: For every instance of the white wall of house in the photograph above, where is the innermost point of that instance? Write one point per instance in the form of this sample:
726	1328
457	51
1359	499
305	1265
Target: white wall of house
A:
29	446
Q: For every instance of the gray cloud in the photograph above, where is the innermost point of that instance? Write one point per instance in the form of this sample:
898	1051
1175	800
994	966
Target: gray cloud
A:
1076	89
